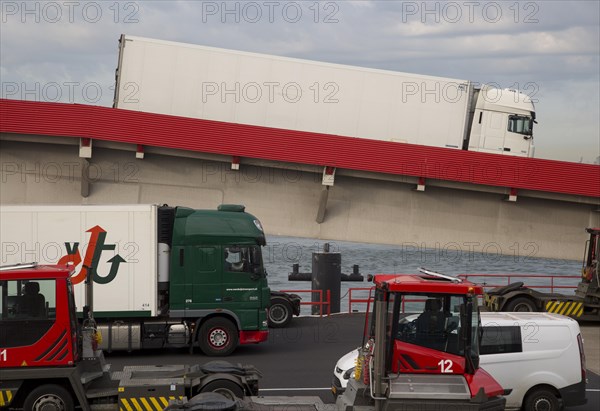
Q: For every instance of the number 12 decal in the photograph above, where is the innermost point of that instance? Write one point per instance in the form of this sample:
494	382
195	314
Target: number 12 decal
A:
445	366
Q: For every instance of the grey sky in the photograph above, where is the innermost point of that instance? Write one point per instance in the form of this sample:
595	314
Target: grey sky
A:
67	50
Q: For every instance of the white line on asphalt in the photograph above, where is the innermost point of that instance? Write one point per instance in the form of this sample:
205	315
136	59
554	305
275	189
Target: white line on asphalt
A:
327	389
295	389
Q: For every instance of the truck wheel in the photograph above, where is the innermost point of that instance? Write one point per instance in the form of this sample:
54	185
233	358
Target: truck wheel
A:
226	388
218	337
280	313
521	304
541	399
50	397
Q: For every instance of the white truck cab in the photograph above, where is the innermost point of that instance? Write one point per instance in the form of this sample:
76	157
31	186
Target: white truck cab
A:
537	357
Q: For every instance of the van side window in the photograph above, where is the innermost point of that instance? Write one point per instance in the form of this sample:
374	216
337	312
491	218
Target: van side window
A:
501	339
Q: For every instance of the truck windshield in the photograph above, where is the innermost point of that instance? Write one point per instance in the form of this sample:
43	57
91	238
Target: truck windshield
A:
520	125
435	321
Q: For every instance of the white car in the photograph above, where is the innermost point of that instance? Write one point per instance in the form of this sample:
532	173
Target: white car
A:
538	357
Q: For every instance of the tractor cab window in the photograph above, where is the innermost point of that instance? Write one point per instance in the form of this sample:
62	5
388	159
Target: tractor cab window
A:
28	311
432	321
520	125
242	259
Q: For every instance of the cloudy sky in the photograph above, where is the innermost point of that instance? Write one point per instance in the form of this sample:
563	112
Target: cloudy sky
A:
67	50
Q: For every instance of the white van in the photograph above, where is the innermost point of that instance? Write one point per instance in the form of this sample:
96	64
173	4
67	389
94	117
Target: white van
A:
537	357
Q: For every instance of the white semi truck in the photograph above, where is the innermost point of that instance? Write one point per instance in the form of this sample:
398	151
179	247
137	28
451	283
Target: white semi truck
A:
263	90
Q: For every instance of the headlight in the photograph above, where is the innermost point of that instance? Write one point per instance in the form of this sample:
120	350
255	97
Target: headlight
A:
349	374
258	225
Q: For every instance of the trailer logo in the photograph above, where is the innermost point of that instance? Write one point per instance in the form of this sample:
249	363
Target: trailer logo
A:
92	258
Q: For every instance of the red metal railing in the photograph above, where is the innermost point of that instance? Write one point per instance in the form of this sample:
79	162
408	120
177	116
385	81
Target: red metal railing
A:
551	284
511	278
357	300
320	303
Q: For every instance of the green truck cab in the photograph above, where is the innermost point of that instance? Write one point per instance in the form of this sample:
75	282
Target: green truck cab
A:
217	279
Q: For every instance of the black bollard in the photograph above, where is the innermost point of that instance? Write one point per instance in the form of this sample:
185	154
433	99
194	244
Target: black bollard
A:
355	276
296	275
326	275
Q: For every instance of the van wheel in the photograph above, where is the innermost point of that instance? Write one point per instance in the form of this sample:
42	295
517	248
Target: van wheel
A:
218	337
521	304
280	313
541	399
49	397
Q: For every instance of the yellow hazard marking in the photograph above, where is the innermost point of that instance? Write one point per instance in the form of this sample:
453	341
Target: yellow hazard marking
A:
126	404
121	389
564	308
5	397
571	308
145	403
155	403
136	405
24	363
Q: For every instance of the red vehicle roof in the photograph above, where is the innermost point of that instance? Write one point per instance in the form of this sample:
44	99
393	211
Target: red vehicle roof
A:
37	272
416	283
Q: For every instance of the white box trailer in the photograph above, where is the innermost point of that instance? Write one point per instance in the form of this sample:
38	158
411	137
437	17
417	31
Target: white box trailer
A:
263	90
107	233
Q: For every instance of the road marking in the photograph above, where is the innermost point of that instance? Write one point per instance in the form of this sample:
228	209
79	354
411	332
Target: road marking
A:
329	388
295	389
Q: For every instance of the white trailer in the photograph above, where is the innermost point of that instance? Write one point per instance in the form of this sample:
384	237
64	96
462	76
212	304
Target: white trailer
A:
255	89
123	240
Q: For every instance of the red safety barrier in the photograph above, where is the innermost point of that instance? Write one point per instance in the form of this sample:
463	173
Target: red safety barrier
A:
320	303
511	278
482	280
352	300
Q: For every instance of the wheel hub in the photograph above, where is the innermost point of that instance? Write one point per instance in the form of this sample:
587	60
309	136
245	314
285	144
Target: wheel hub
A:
277	313
48	403
542	404
218	337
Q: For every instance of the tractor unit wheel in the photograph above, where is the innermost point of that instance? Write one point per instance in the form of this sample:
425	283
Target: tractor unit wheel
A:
521	304
49	397
280	313
218	336
226	388
541	399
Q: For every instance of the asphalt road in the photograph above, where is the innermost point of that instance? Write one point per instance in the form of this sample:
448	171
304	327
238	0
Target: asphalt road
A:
298	360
